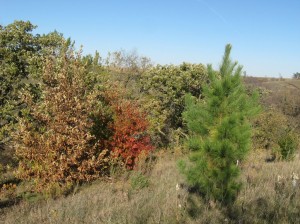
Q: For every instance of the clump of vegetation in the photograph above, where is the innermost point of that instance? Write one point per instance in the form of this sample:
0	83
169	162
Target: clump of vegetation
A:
296	75
22	56
219	132
54	144
129	128
139	181
288	144
75	132
275	133
163	89
269	125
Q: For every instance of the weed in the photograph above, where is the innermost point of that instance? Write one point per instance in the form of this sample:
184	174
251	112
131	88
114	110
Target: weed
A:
139	181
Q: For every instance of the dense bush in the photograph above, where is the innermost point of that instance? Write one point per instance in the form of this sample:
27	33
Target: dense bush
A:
269	126
22	56
129	130
275	133
163	89
288	144
54	143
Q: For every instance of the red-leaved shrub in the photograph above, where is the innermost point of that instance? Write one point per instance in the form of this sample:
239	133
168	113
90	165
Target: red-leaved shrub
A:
129	128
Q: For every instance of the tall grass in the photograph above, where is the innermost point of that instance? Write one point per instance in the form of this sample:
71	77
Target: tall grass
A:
265	198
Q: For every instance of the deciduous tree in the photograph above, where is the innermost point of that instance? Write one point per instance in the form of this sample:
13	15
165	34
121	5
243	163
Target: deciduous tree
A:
54	140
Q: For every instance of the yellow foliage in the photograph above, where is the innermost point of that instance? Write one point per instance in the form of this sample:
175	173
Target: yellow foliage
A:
54	143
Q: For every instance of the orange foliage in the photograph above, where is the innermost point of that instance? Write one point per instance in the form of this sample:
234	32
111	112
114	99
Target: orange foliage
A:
69	136
54	141
130	126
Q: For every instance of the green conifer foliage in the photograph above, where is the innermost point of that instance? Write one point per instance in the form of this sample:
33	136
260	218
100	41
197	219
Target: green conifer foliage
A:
219	131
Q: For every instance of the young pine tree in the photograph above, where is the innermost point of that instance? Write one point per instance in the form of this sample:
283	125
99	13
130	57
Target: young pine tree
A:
219	131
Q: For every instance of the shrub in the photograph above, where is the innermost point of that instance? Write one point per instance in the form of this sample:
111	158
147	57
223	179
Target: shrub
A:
288	144
22	55
129	128
54	143
8	191
163	89
269	126
275	132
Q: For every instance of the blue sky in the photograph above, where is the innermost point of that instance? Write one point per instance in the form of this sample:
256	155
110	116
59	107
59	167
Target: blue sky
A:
265	34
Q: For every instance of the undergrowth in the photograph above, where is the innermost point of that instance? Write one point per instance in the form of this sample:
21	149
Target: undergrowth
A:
160	196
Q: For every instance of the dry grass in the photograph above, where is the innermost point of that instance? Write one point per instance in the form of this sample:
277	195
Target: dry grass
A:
109	202
262	200
268	195
281	95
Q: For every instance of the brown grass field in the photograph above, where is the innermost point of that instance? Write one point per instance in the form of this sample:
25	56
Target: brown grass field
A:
263	199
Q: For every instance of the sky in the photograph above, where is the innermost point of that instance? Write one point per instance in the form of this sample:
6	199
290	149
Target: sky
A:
265	34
